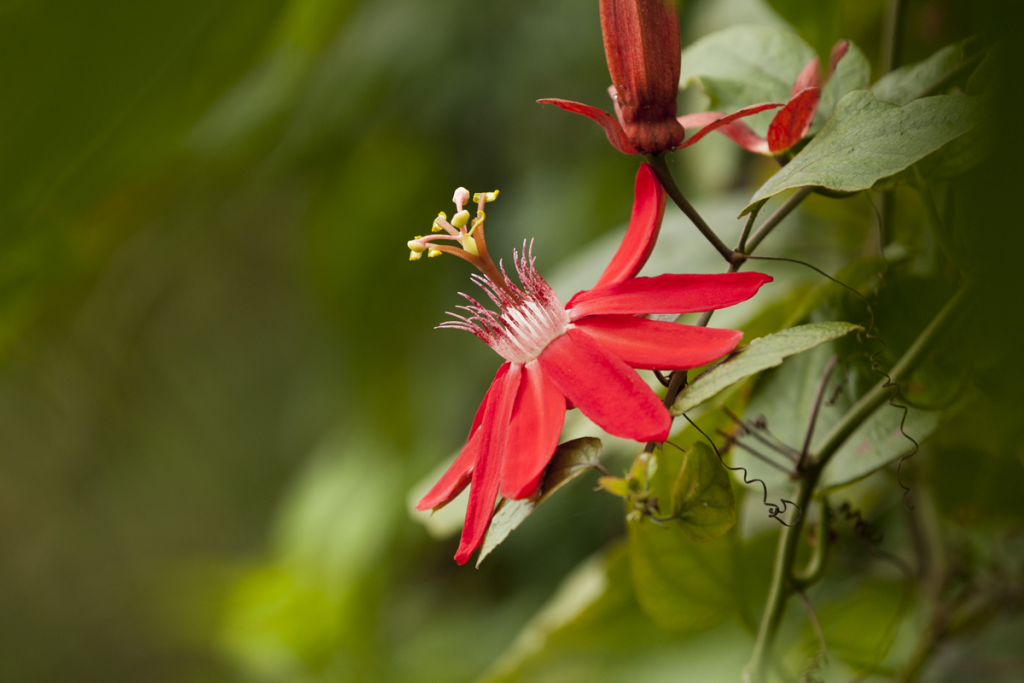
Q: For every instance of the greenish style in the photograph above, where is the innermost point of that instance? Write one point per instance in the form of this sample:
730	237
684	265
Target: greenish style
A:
868	140
761	354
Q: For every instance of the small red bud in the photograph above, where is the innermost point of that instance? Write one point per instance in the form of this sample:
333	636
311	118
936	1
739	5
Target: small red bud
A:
641	43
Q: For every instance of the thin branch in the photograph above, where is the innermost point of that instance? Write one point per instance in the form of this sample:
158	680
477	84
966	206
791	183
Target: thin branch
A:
892	39
818	397
773	221
780	448
661	169
757	454
741	246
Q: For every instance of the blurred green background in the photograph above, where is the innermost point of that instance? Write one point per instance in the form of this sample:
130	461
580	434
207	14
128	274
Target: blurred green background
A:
218	373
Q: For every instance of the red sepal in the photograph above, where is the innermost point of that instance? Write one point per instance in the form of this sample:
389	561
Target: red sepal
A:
722	121
791	124
611	126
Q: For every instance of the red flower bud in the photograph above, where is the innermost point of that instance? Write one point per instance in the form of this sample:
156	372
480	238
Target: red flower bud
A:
641	43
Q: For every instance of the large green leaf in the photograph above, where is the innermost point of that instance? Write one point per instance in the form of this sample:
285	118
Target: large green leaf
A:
702	499
761	354
868	140
744	65
852	73
859	629
683	585
876	443
572	459
904	84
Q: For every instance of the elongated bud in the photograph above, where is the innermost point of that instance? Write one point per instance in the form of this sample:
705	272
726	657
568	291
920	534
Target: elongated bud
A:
641	43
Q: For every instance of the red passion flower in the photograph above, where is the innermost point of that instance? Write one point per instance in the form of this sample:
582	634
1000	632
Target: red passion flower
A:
791	123
641	44
581	354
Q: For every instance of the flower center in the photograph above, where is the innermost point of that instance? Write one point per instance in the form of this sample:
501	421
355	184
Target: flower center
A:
529	315
528	329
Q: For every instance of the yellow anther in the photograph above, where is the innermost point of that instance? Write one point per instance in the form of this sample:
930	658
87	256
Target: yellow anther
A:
415	255
460	219
442	216
469	244
488	196
433	252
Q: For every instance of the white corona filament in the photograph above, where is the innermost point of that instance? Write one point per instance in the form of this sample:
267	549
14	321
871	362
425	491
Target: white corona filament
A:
523	328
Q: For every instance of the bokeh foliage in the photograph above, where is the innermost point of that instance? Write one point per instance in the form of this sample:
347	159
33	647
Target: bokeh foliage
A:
219	377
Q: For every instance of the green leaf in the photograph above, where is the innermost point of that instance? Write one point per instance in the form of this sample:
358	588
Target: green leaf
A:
859	629
744	65
902	85
852	73
761	354
702	499
876	443
818	22
683	585
594	630
867	140
571	459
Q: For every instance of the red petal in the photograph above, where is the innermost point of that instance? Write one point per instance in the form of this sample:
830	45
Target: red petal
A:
724	121
667	294
604	388
611	126
652	344
810	77
792	123
458	475
737	131
838	52
533	433
487	471
644	224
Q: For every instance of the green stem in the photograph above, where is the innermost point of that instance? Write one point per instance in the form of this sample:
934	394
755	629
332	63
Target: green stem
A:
661	169
783	580
776	218
815	569
892	40
882	391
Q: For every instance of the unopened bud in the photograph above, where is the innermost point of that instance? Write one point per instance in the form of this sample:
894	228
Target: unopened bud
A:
416	247
461	197
460	219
